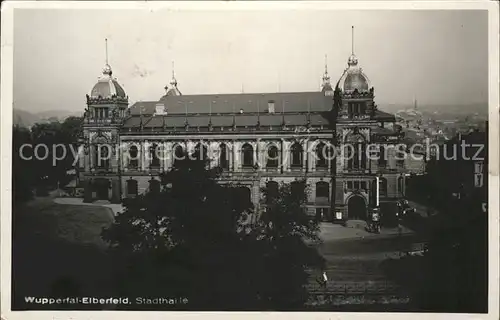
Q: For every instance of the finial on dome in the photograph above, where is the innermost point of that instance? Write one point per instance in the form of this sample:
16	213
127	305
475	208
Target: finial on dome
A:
107	68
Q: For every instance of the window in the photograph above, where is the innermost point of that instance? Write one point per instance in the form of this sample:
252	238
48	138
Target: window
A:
356	108
154	186
349	185
106	113
272	157
178	153
322	153
356	156
102	156
270	106
200	152
297	190
400	157
223	161
297	155
322	190
153	152
132	187
133	157
382	159
401	186
247	151
272	190
356	185
383	187
363	185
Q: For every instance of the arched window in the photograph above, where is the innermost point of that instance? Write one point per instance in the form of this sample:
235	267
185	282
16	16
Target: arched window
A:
247	151
272	157
297	189
272	190
103	156
153	153
178	153
224	160
322	189
200	152
382	160
132	189
356	156
154	186
401	186
383	187
297	155
321	158
133	154
356	152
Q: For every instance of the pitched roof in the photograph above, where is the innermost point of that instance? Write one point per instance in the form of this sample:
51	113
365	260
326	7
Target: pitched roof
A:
229	103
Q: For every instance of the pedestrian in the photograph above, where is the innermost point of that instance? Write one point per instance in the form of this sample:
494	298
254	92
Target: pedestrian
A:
325	279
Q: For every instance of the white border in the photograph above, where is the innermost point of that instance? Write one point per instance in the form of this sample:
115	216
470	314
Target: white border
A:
6	144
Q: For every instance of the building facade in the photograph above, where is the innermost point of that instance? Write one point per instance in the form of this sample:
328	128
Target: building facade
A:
258	139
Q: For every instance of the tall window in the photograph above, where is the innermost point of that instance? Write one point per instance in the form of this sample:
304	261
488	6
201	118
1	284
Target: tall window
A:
322	155
132	187
201	152
247	151
178	153
383	187
401	186
382	160
102	156
297	155
356	108
153	152
297	190
322	189
133	157
400	157
272	157
154	186
272	190
224	161
356	155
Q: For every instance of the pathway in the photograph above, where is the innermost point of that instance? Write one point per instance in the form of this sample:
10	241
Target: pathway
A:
116	208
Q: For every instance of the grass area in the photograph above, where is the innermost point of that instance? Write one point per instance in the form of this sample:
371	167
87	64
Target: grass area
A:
57	251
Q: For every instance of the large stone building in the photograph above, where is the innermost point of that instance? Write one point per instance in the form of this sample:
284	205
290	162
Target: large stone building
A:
258	139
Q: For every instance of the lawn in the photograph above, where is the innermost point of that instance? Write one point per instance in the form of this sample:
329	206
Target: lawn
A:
57	251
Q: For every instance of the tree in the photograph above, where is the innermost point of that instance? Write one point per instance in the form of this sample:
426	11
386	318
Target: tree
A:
22	169
191	240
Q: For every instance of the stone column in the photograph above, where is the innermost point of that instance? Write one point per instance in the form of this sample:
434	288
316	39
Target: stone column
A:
256	153
86	158
124	150
236	164
230	148
305	158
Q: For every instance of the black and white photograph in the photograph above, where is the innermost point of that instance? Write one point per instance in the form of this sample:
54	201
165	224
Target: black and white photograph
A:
240	157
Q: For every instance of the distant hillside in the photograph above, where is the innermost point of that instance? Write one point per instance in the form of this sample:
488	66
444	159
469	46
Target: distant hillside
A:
481	108
28	119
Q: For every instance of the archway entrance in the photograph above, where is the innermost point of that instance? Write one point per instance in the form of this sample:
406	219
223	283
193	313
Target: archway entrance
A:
101	187
356	208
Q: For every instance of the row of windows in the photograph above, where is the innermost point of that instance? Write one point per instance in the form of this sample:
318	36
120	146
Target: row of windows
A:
357	157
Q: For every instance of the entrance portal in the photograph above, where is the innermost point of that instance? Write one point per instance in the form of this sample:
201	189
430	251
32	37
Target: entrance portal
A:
356	208
101	187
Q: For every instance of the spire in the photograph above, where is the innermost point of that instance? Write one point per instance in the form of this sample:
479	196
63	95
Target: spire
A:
326	77
107	68
173	82
353	60
352	40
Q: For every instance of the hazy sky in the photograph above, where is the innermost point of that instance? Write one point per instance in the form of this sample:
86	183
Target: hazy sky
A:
441	57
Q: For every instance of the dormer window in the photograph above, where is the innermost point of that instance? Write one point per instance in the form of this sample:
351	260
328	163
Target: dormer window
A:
270	106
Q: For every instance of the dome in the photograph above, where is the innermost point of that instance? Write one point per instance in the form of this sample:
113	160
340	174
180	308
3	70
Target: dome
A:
107	86
355	81
353	77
